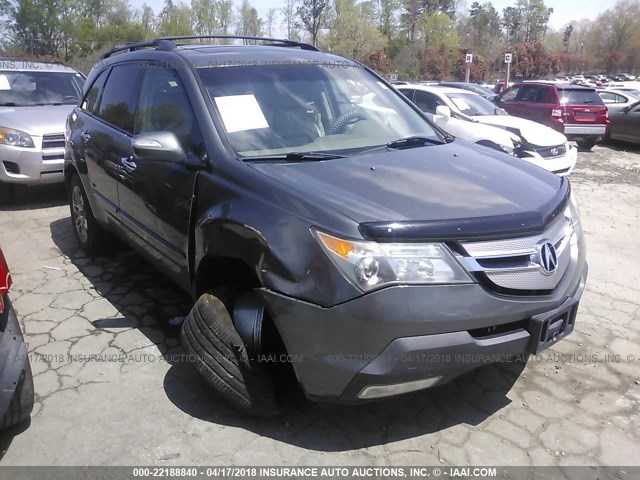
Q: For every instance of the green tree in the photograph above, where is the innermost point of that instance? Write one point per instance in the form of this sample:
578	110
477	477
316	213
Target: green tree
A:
353	30
289	17
176	19
205	17
386	16
312	14
249	22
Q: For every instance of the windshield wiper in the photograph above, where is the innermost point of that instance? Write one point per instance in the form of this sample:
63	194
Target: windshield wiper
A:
297	157
8	104
415	141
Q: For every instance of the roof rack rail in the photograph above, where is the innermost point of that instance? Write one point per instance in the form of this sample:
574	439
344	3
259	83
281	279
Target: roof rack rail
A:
130	47
158	42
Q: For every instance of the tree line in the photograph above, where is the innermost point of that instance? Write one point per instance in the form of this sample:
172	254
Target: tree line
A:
415	39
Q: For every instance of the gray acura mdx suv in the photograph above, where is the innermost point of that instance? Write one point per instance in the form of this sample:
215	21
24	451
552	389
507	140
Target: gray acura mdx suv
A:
318	220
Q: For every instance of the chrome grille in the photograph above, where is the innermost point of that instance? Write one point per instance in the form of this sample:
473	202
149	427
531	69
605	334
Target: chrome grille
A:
53	140
552	152
512	263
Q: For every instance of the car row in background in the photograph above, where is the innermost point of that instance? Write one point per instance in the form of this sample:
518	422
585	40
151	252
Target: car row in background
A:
617	99
469	116
35	100
576	111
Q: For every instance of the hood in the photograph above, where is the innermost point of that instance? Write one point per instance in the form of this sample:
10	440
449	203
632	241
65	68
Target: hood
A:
36	121
427	184
533	132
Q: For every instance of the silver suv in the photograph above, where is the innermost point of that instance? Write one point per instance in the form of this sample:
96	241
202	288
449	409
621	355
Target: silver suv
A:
35	100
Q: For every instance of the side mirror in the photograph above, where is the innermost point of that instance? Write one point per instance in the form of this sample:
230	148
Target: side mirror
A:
159	146
443	112
626	109
501	111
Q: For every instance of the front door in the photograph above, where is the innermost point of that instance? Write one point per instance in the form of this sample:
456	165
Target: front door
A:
156	196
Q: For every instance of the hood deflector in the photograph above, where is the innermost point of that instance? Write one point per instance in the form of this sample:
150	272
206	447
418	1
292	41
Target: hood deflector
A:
488	227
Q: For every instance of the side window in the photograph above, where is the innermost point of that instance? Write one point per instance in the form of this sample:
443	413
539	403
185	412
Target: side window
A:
90	102
120	96
510	95
608	97
165	107
427	102
407	92
546	95
620	99
529	94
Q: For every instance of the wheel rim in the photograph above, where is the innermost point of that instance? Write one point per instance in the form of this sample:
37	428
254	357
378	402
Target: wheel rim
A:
80	214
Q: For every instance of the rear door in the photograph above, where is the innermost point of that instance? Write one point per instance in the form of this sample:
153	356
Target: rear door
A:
155	196
100	134
110	132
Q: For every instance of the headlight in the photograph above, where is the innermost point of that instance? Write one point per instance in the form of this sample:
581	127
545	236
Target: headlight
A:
16	138
370	265
572	213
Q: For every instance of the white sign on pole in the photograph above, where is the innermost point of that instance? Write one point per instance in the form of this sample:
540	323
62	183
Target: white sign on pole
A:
393	77
508	57
469	57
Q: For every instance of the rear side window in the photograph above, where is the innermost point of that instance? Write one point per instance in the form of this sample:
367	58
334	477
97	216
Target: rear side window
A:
90	102
580	97
120	96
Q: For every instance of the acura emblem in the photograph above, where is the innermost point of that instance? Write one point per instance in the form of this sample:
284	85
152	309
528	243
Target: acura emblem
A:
554	151
547	257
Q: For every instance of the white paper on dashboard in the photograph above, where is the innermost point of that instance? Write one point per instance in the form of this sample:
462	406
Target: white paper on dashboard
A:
240	113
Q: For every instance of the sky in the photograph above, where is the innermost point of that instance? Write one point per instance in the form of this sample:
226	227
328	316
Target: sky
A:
563	10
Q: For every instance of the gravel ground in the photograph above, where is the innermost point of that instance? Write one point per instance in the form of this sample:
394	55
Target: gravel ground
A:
577	405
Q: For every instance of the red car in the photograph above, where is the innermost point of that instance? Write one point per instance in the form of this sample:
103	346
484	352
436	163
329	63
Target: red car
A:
16	382
574	110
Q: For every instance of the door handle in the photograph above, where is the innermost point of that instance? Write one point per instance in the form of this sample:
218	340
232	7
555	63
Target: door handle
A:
128	164
86	136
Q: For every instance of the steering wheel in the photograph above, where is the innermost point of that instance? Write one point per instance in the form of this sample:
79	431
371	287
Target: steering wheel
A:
340	123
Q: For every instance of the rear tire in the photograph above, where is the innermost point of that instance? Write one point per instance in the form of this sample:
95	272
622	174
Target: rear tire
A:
89	233
22	401
586	144
220	356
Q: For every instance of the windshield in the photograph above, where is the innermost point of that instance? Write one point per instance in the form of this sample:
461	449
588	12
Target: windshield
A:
472	104
26	89
278	109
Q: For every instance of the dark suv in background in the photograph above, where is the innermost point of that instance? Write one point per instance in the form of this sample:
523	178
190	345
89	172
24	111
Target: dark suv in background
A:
576	111
317	218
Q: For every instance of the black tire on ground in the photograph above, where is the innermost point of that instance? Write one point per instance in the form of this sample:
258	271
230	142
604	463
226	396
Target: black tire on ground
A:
97	239
220	356
22	401
7	193
586	144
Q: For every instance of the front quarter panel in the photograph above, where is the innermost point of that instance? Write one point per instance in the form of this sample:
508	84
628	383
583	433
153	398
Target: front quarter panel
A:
271	233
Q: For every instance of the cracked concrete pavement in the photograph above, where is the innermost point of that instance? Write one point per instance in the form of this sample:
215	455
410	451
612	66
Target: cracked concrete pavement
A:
111	388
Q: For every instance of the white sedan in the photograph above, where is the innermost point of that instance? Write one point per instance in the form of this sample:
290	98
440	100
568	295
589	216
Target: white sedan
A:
468	116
